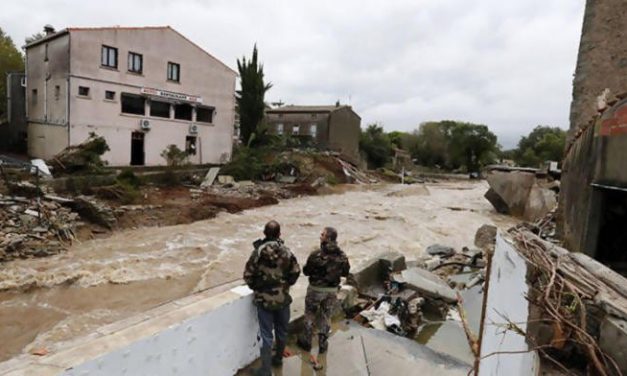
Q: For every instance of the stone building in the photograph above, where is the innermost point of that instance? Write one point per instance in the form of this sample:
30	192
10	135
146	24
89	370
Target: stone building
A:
593	198
141	88
335	128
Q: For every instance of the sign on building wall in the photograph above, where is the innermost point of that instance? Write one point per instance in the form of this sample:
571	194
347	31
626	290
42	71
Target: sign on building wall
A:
171	95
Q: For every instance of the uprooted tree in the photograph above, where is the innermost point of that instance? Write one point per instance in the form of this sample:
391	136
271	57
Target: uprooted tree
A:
250	98
84	157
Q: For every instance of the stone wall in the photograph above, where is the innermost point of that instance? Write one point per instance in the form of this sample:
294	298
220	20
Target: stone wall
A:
602	61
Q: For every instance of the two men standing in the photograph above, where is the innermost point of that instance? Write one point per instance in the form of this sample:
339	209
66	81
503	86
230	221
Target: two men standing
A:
271	270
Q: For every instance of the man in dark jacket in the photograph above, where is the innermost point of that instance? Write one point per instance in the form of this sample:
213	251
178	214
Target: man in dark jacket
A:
270	271
324	268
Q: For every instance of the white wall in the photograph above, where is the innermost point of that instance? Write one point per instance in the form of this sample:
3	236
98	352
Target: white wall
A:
217	342
505	300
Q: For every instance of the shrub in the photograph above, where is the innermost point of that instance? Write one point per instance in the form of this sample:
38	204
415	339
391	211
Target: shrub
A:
127	176
174	156
245	164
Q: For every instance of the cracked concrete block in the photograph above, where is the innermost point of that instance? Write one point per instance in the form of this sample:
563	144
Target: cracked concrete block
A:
540	202
365	275
513	189
427	283
393	261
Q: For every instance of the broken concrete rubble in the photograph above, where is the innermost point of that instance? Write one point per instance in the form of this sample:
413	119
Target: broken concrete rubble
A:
95	211
34	228
521	194
485	238
540	202
210	177
440	250
427	284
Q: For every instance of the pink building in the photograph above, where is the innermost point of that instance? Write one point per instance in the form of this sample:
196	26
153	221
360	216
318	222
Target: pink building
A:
142	89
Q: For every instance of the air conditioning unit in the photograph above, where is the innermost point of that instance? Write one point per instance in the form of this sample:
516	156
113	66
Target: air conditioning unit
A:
144	124
193	129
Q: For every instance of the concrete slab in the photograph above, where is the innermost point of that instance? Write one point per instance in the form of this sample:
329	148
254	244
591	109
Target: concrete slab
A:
504	302
427	283
393	261
210	177
355	350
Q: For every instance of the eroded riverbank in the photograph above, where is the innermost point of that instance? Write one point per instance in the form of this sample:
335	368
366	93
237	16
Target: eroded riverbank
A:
48	301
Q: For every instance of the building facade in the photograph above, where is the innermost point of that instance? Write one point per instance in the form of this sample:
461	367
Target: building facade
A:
593	196
335	128
142	89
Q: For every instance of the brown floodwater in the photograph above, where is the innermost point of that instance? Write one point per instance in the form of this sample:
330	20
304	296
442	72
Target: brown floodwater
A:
46	302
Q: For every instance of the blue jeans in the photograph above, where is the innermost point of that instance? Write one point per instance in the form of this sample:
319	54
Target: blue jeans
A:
277	319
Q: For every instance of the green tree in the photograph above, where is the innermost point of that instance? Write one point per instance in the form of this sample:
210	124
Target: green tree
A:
250	98
376	146
431	145
11	60
472	146
544	143
453	145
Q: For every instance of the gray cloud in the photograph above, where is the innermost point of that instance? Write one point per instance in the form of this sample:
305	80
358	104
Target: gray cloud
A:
507	64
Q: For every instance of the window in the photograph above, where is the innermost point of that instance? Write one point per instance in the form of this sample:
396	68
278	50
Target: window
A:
295	129
279	128
46	52
109	95
190	145
160	109
57	92
135	62
183	112
34	96
83	91
109	57
174	72
133	104
313	130
204	114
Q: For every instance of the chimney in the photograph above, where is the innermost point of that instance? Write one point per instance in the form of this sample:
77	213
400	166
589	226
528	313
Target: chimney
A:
48	29
337	104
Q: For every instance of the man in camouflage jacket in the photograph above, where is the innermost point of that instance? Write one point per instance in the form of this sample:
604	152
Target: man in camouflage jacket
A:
324	268
270	271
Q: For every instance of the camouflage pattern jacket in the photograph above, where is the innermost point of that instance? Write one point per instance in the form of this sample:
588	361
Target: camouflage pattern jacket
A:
270	271
326	265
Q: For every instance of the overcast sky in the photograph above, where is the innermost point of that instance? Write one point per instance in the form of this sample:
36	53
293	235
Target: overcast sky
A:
506	64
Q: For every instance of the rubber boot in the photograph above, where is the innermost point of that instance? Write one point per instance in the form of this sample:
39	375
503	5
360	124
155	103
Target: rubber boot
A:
323	343
266	362
277	359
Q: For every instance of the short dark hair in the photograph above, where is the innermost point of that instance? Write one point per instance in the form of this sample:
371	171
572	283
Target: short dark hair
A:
331	233
272	230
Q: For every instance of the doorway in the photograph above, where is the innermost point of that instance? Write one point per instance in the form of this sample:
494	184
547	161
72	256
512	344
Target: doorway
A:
138	155
612	235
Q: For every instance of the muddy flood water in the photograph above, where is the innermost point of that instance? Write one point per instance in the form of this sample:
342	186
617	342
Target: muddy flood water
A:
46	302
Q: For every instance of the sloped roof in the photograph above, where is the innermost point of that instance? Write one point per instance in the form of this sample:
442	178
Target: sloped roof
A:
307	109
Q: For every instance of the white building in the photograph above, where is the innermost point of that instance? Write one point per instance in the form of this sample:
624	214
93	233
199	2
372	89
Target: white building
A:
142	89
